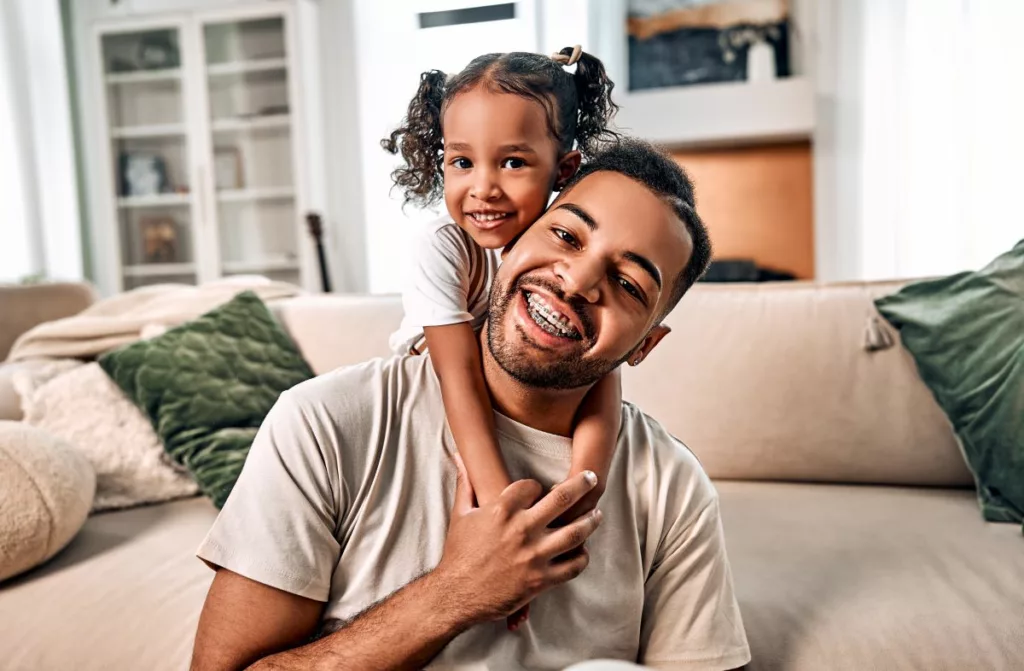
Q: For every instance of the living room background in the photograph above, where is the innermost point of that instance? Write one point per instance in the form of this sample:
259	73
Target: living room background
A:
827	173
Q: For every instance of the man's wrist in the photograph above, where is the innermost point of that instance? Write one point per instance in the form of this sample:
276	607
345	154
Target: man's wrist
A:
447	603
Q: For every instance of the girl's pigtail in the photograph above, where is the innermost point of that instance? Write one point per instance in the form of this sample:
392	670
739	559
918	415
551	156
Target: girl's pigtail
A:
596	108
420	143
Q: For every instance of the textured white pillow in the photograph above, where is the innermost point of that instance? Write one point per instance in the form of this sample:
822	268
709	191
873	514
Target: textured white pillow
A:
46	489
88	410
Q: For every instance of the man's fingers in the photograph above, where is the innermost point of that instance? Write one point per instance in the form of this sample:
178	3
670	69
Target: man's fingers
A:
571	536
562	497
522	494
464	497
566	569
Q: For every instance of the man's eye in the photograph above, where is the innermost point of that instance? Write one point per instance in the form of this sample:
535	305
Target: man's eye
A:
566	237
513	163
462	163
630	289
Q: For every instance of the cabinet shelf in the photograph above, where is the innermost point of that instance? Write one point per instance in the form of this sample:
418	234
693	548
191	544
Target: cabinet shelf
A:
159	269
155	130
261	193
144	76
242	67
157	200
251	123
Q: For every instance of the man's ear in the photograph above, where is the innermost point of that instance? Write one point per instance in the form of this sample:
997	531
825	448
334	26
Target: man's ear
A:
567	167
648	344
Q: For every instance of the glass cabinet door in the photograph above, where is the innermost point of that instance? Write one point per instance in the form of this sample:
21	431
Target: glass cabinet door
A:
145	104
251	126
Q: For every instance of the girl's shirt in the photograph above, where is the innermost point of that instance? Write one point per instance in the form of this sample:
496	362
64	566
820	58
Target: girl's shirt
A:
449	283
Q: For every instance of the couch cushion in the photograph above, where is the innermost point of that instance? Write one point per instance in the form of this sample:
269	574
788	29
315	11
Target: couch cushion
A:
125	594
339	330
847	577
773	382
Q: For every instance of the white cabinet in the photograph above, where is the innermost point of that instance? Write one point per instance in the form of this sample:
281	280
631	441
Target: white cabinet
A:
200	169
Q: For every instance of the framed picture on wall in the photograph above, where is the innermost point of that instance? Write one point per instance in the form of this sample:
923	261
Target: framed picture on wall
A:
159	239
687	42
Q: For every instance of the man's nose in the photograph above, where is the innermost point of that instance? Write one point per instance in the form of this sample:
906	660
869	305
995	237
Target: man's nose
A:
581	277
485	185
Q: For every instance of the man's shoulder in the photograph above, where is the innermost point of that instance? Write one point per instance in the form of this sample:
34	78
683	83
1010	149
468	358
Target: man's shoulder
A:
665	459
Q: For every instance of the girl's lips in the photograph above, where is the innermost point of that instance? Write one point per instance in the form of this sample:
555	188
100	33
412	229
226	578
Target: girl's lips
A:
488	224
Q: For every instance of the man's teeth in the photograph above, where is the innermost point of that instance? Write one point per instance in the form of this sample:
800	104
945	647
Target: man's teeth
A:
491	216
549	319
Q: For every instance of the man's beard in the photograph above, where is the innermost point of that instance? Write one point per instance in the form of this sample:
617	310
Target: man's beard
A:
571	371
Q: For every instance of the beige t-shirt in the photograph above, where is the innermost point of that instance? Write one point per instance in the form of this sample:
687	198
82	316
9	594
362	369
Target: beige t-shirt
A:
346	494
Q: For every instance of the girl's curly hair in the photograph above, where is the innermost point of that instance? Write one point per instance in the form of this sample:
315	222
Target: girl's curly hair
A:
578	107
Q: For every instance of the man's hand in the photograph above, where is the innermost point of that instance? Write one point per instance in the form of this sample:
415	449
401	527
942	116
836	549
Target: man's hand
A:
499	557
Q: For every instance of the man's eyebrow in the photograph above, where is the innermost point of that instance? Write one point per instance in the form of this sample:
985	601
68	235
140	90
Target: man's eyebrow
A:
645	263
581	213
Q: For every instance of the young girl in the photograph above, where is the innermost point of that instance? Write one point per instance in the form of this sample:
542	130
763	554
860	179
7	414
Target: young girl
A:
495	140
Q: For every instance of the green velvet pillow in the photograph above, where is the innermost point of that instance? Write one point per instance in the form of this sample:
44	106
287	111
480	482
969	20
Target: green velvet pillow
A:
966	333
207	385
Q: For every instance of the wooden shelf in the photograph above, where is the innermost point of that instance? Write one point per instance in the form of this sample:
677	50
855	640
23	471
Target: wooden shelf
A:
259	193
144	76
242	67
721	114
252	123
160	269
158	200
264	265
155	130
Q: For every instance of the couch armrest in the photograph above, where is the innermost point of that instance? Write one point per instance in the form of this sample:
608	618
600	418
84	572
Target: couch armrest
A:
23	307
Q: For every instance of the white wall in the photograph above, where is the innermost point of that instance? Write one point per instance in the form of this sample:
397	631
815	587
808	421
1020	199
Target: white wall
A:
37	167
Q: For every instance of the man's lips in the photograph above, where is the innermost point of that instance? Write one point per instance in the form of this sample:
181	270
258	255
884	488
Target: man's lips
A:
562	313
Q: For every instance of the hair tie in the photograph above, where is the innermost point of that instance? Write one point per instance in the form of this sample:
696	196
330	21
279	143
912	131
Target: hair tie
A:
567	60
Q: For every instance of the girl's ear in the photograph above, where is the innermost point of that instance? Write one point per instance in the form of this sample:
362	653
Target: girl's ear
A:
567	167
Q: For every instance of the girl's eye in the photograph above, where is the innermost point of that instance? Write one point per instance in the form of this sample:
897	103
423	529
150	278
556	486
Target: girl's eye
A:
567	237
513	163
462	163
630	289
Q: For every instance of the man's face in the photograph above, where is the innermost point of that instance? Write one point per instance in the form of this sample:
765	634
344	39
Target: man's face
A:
584	286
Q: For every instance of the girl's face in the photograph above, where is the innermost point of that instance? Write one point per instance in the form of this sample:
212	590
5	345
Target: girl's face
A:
500	164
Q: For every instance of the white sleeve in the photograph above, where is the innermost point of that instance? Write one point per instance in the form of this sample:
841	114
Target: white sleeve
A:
691	619
437	292
278	524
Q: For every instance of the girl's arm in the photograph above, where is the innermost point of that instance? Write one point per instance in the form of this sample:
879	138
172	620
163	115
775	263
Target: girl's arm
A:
595	437
455	353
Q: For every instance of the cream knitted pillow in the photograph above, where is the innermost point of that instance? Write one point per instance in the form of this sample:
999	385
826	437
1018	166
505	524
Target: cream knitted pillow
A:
46	489
81	404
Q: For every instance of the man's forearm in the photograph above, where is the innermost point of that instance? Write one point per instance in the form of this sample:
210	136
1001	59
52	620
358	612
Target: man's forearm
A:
404	631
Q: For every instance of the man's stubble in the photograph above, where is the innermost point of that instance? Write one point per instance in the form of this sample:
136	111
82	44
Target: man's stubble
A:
568	372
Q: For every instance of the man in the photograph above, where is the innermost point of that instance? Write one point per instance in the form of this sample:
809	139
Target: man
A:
351	540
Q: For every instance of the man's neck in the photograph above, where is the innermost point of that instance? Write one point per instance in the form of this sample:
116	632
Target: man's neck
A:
549	410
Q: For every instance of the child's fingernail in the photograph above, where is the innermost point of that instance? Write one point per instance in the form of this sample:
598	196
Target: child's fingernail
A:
590	477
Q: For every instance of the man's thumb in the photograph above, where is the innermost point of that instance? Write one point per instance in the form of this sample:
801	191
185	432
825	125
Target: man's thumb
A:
464	496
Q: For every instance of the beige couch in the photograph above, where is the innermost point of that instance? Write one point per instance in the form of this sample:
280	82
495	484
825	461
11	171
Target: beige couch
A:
855	540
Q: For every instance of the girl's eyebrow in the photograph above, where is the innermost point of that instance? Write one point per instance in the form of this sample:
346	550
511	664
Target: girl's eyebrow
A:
457	146
517	149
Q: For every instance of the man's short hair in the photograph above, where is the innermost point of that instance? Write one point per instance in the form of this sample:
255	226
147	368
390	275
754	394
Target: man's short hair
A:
644	163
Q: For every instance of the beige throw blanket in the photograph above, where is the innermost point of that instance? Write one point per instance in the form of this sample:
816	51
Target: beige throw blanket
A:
127	317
